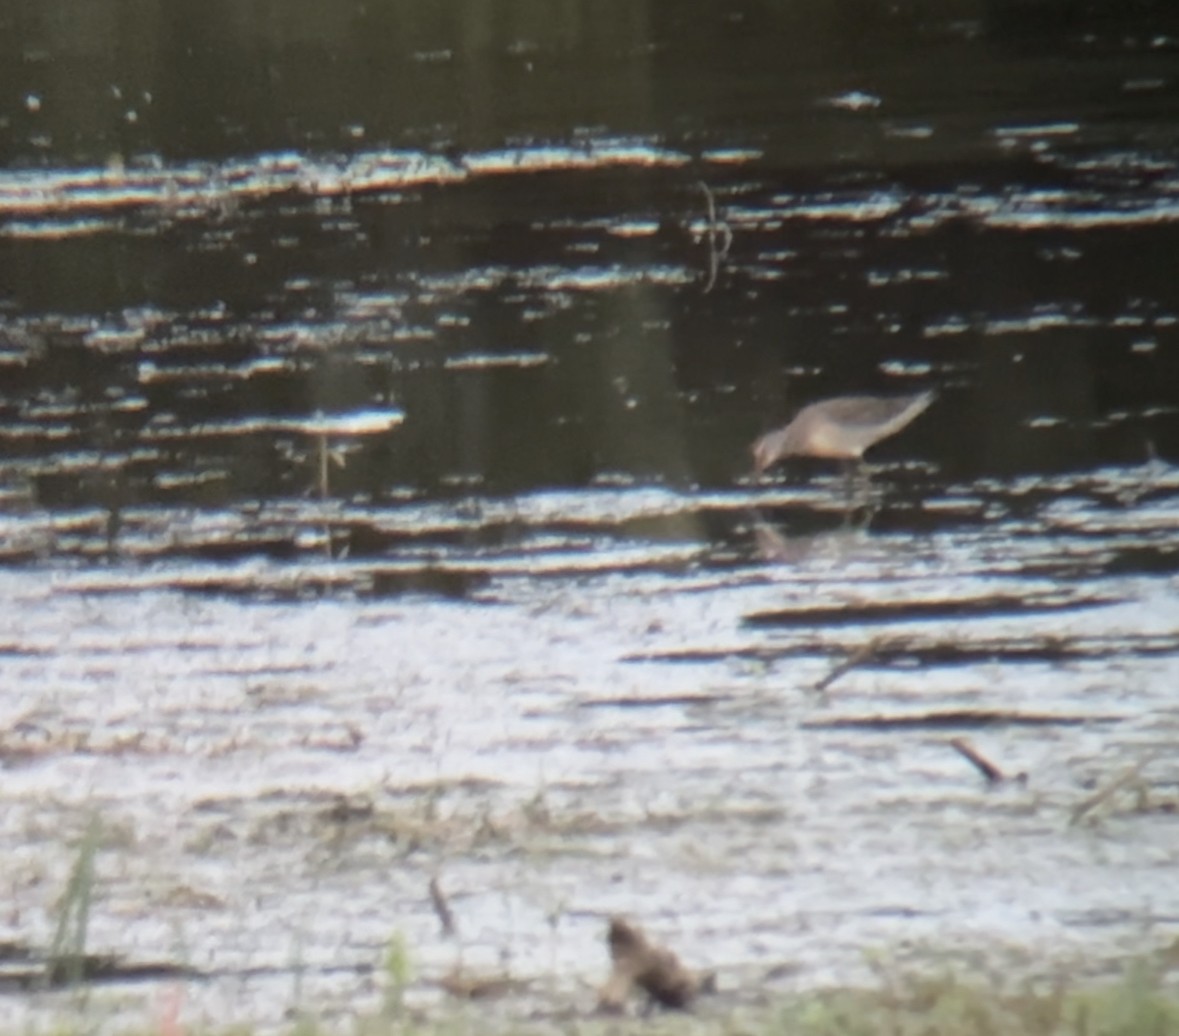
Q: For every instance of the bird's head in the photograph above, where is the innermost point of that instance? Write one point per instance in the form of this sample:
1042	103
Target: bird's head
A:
768	450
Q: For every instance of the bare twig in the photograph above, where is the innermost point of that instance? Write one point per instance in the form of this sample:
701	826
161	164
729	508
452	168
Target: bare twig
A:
771	545
324	488
326	455
442	908
715	230
989	770
1148	477
1131	777
857	657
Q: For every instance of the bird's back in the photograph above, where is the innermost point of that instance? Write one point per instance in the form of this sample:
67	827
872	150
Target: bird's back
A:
868	419
841	428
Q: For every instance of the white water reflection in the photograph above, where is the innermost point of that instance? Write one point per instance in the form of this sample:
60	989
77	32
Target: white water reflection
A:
49	194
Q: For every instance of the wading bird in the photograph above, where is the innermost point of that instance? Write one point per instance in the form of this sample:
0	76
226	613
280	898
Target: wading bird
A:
839	429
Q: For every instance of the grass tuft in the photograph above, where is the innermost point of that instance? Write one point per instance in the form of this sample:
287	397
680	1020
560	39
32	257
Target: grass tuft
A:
1137	1005
65	963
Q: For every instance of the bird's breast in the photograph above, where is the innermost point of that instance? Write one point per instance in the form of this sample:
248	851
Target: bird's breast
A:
825	440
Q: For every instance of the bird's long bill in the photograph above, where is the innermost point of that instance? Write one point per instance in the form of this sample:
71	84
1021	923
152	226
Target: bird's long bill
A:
762	455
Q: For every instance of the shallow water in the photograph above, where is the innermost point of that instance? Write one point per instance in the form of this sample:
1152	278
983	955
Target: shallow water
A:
380	510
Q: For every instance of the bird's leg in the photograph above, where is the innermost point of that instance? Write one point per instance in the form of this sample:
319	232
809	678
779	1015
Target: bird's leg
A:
871	506
872	495
769	541
857	481
849	491
864	471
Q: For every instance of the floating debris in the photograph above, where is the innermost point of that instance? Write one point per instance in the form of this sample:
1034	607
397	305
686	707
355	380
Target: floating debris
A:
861	654
1129	779
987	607
938	720
989	770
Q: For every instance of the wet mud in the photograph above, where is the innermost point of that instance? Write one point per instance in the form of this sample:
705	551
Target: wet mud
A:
281	761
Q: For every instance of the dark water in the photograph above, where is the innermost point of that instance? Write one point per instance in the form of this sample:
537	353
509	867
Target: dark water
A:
375	400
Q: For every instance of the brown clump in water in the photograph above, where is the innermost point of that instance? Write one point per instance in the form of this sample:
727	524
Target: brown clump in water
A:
654	969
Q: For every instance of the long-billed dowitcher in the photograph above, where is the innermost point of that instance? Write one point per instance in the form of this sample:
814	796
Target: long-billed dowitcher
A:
840	429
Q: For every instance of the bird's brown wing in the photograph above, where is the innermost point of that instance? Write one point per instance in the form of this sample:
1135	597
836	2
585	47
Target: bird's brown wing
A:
869	411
